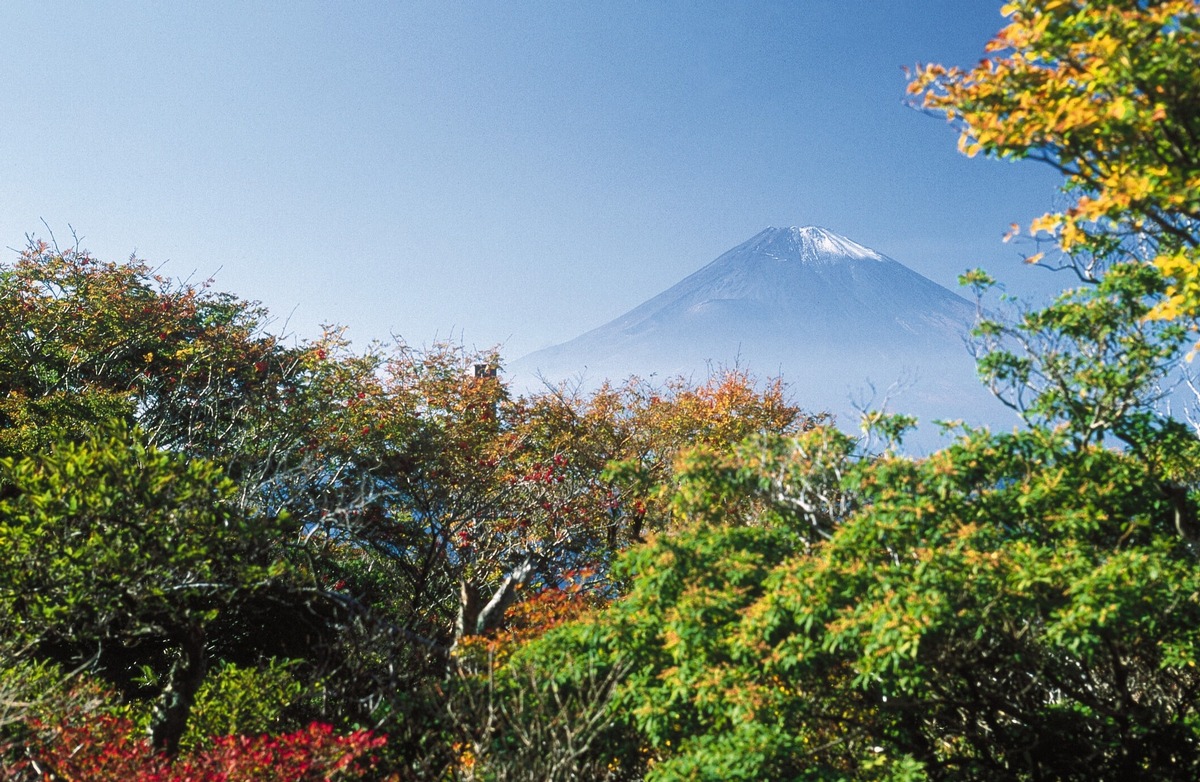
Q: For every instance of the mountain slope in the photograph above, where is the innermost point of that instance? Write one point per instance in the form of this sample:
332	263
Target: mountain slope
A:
829	315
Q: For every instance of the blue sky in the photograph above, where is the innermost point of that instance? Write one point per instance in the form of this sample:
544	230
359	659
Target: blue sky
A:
506	173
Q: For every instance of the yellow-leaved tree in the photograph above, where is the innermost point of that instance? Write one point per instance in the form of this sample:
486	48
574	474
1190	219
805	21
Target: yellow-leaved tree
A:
1108	93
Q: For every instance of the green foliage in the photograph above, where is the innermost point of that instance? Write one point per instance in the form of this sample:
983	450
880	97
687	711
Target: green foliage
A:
116	554
110	538
1015	606
41	690
792	482
668	641
248	701
1089	361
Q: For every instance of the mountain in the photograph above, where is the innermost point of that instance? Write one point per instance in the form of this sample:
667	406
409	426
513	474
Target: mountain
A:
830	316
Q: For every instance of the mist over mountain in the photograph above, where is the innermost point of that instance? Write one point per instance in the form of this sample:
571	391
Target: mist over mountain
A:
831	317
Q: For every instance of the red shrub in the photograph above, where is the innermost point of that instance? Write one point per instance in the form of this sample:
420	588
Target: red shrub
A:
109	749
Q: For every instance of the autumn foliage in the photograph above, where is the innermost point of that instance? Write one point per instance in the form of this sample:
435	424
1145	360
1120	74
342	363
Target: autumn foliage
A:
1109	95
224	527
109	749
227	555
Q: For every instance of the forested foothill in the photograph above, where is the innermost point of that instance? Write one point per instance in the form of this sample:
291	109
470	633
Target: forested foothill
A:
225	555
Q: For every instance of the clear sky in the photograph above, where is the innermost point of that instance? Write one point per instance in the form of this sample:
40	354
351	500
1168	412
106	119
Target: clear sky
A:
506	173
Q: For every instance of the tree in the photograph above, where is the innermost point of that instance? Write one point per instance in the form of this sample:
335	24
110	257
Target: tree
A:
1109	95
117	555
1016	606
1092	362
465	493
661	650
361	513
86	341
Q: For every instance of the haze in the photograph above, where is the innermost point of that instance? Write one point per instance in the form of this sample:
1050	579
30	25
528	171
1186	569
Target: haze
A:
512	173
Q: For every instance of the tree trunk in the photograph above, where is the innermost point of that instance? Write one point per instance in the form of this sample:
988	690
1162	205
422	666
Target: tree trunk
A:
475	618
468	610
171	713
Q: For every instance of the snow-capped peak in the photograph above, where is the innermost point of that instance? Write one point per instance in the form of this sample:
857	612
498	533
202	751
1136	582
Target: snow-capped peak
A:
825	242
810	244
